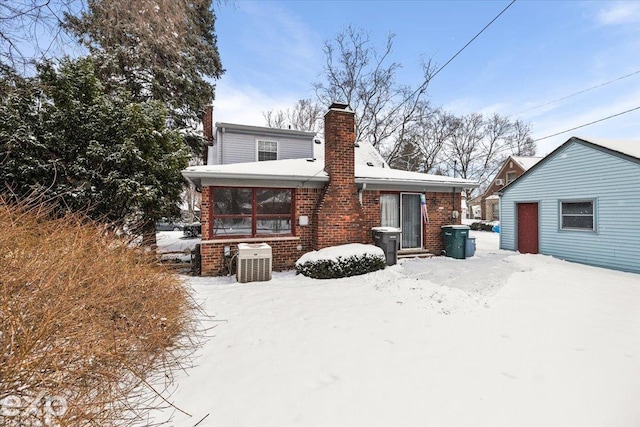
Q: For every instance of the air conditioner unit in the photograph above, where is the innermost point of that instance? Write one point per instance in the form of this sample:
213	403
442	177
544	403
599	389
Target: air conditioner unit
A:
254	262
499	181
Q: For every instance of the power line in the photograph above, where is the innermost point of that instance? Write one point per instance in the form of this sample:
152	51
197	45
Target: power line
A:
428	79
576	93
471	41
588	124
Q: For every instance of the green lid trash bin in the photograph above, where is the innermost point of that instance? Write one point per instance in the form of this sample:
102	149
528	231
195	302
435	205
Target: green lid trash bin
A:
455	240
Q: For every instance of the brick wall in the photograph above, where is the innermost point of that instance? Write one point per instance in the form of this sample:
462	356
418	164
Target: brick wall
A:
440	207
371	210
205	212
287	250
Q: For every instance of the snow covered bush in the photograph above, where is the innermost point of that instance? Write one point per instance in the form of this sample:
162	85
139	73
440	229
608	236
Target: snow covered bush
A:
341	261
91	331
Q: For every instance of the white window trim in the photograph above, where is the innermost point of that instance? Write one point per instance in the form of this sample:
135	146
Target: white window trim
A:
593	201
258	141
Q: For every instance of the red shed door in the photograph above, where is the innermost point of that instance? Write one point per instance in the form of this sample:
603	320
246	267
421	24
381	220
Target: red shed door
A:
528	228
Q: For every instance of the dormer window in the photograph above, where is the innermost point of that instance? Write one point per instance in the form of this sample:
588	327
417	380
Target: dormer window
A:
267	150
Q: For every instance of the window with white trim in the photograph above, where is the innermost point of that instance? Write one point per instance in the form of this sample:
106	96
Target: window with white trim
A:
577	215
511	176
267	150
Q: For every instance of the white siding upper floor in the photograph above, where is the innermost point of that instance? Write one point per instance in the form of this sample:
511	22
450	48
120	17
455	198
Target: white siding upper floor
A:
580	170
239	143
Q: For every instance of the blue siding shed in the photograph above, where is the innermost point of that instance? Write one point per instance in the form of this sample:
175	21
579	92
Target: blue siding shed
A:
588	204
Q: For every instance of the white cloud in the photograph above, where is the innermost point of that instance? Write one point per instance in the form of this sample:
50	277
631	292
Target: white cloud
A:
619	13
286	45
244	104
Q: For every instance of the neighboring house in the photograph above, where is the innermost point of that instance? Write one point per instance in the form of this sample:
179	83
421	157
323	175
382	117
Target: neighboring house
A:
580	203
512	168
303	204
473	208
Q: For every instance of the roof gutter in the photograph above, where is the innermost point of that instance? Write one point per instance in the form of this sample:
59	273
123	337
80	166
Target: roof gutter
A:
197	176
415	183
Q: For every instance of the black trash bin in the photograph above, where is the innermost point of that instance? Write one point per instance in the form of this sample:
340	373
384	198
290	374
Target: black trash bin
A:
387	238
455	240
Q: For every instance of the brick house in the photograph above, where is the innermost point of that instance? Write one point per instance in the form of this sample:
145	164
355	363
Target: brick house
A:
511	169
296	205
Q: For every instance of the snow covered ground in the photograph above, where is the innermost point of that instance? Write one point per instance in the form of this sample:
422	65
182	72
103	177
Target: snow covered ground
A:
172	242
500	339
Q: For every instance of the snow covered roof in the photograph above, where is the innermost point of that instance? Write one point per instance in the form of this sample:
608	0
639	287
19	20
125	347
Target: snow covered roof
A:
364	153
369	174
630	148
373	172
526	162
291	169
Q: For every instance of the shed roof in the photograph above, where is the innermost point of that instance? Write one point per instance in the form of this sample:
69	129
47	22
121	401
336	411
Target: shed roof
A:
627	149
630	148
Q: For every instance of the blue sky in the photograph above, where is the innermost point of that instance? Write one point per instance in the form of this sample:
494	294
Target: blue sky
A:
535	53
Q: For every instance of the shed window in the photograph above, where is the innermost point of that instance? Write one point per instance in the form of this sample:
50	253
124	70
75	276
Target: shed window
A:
577	215
252	211
267	150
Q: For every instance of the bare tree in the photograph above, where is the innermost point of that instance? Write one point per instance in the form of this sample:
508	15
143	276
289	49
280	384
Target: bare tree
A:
22	26
398	120
423	141
480	145
365	78
520	141
305	115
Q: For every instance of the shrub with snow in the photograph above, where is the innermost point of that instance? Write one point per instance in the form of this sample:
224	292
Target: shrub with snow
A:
341	261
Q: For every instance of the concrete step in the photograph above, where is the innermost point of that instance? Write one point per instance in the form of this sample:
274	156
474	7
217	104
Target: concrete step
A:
414	253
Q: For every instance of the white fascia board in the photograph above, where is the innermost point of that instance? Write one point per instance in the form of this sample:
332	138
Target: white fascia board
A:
200	179
388	184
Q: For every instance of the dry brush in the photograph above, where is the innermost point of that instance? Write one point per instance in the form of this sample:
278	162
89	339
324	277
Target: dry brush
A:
91	330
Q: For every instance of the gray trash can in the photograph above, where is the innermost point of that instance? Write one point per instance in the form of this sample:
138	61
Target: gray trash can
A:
471	246
387	238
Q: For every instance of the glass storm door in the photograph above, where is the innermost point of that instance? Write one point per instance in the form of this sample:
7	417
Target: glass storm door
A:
411	221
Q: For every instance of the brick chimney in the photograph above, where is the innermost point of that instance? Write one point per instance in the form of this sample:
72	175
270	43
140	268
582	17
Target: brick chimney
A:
207	130
338	217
